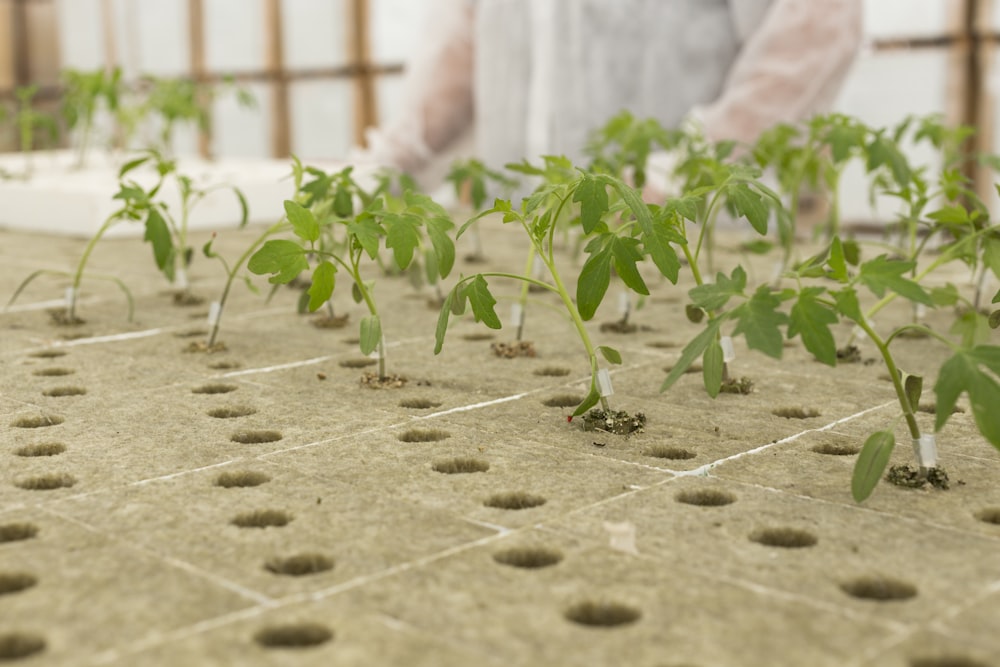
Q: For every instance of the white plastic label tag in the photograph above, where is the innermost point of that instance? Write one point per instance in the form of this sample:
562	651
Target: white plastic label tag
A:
538	268
623	303
921	311
214	311
728	352
604	383
925	449
70	296
516	315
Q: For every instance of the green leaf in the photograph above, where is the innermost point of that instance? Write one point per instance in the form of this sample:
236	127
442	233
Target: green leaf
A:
595	276
343	203
303	221
477	291
944	296
848	304
962	373
626	254
158	233
881	274
285	259
367	232
655	237
852	251
371	334
837	262
713	296
444	247
712	366
973	327
356	293
994	320
811	320
760	322
593	199
589	401
612	355
244	207
871	463
321	289
402	236
694	314
692	351
749	204
913	387
132	164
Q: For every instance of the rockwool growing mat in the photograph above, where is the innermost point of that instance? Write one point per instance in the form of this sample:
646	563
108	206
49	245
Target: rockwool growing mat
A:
263	505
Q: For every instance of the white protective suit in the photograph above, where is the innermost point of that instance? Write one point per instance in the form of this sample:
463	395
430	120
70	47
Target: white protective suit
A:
536	77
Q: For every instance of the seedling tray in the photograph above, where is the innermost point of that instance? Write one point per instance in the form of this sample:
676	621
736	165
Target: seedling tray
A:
257	506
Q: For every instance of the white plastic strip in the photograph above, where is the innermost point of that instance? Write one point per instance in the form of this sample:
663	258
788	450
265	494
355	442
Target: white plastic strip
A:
70	296
728	351
538	268
925	449
516	315
214	311
604	383
623	303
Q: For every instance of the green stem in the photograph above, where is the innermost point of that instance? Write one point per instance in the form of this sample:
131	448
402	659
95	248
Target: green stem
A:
231	275
78	275
523	298
370	302
894	375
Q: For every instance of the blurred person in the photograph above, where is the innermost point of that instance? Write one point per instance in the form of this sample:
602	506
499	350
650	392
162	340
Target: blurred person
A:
536	77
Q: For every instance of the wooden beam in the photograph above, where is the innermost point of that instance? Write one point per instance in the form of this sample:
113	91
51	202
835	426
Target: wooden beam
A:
281	142
359	43
21	43
196	31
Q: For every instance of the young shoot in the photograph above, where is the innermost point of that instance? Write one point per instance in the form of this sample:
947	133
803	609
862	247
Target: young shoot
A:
83	95
29	122
608	248
367	232
472	181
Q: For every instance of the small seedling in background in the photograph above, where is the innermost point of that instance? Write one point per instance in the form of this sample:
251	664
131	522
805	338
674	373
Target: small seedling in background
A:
29	122
472	179
623	145
136	203
607	249
366	231
83	94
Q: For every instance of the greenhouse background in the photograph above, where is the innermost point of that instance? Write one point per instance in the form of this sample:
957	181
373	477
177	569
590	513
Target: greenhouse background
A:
323	70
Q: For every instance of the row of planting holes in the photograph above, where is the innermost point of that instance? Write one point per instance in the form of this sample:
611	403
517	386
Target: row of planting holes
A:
589	613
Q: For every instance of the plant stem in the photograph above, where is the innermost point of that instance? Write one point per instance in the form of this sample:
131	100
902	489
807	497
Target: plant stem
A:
523	298
897	381
78	275
370	302
231	275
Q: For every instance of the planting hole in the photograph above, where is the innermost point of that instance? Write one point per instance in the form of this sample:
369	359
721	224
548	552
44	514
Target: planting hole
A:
225	365
563	401
552	371
255	437
530	558
299	565
231	412
515	500
241	479
59	392
15	532
262	519
836	449
37	421
460	466
667	452
46	482
16	645
881	589
662	344
15	582
705	497
351	341
989	515
419	404
423	435
602	614
478	336
48	354
42	449
796	413
357	363
785	538
217	388
947	661
300	635
53	372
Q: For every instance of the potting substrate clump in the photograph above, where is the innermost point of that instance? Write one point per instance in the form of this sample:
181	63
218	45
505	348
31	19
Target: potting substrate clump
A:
222	484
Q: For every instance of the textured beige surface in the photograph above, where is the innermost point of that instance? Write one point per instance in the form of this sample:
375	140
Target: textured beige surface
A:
139	563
